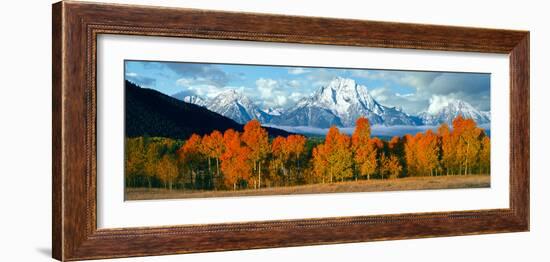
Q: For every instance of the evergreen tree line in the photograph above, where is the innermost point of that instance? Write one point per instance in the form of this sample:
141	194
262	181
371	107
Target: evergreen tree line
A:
250	159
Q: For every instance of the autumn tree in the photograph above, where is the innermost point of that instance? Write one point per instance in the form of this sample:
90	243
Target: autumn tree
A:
236	165
296	146
320	162
448	148
334	155
468	142
363	149
152	157
389	166
168	170
255	137
134	163
485	156
411	153
341	158
190	155
281	154
422	153
213	146
396	146
428	152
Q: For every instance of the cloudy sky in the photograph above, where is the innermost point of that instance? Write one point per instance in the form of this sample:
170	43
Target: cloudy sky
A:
281	86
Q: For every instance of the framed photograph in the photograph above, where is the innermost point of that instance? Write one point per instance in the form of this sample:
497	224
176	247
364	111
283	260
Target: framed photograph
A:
182	130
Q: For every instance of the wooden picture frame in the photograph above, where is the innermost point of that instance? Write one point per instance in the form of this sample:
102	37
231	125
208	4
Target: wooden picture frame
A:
76	26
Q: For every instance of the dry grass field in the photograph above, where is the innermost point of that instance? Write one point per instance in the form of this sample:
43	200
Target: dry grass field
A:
374	185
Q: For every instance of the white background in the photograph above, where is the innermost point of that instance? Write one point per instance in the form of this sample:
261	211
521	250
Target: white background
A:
114	212
25	148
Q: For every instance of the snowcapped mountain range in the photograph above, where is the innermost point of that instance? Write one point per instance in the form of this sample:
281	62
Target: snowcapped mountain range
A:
454	108
194	100
338	103
237	106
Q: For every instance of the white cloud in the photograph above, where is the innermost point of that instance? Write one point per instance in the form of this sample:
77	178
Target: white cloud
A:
281	100
412	103
379	94
293	83
297	71
437	102
295	96
203	87
131	74
361	73
271	93
266	87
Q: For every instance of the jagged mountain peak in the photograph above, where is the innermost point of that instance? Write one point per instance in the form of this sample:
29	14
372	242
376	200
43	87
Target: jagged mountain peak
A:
235	105
340	102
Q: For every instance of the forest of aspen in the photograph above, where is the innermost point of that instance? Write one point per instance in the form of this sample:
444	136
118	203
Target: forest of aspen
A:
251	160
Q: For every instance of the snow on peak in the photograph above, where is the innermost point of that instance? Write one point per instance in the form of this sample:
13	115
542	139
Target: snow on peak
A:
444	110
438	103
235	105
194	100
340	94
274	111
341	102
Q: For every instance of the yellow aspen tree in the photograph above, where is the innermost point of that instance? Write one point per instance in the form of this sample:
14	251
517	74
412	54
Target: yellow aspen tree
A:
364	151
485	156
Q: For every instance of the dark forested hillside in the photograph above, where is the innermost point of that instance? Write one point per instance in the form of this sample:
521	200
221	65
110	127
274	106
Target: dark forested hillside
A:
151	113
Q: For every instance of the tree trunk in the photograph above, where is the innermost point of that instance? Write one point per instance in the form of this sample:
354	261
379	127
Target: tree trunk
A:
259	175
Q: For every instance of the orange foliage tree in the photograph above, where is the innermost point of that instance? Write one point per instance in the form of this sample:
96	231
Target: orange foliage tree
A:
320	162
236	164
422	153
296	146
410	149
190	155
448	148
255	137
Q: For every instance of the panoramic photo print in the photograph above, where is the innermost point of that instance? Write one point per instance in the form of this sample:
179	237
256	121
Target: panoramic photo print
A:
198	130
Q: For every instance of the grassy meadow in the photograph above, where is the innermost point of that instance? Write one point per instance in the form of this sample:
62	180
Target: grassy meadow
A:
374	185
